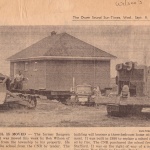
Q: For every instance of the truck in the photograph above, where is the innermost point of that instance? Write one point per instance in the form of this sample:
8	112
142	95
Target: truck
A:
137	79
82	95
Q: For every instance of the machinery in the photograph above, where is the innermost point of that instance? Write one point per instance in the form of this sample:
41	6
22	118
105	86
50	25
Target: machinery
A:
10	97
133	90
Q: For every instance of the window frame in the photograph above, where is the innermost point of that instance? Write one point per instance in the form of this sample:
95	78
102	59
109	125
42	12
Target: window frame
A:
35	66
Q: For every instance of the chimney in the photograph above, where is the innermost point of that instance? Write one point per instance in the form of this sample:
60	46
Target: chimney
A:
53	33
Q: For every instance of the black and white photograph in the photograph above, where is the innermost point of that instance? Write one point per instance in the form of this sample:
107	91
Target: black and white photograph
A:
75	76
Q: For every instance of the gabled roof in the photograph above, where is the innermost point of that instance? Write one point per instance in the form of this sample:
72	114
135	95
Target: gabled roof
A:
60	45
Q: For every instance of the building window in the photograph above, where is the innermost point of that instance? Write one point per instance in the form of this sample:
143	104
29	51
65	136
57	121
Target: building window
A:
26	66
35	66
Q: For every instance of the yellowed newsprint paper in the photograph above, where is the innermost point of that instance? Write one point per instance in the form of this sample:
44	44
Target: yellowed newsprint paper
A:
74	75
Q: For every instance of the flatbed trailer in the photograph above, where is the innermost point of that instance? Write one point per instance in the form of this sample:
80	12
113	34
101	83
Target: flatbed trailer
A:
118	106
140	101
58	95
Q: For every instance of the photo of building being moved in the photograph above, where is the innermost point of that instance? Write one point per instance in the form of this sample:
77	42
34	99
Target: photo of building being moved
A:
74	76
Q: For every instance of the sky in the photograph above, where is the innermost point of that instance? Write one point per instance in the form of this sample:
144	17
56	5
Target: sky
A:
127	43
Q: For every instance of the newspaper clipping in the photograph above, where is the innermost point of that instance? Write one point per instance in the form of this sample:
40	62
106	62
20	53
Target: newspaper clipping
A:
74	75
